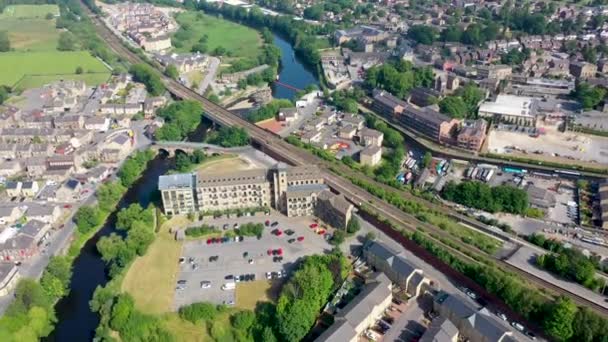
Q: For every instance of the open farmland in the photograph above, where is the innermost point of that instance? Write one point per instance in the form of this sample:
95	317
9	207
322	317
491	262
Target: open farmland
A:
240	41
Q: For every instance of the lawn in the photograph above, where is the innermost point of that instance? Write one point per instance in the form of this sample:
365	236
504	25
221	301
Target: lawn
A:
223	163
183	330
54	65
250	293
151	279
238	40
29	11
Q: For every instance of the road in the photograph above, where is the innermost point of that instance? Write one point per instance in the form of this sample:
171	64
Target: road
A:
280	149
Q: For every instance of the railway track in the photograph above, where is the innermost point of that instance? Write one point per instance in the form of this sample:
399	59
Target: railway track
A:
296	156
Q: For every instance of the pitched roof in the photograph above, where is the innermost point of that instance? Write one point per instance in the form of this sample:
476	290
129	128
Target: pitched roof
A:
396	261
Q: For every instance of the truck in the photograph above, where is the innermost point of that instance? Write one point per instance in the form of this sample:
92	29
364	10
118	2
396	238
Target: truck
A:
229	286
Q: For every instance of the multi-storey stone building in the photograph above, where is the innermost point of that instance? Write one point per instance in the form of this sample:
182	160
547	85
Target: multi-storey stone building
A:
292	190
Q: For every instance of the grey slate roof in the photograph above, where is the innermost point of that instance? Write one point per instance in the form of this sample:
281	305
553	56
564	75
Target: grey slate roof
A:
181	180
441	330
397	262
361	306
341	330
32	227
487	325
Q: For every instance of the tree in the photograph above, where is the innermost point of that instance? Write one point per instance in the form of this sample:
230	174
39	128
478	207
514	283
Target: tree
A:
140	237
230	137
453	106
338	237
353	225
5	43
148	76
426	160
110	247
198	311
108	195
559	318
127	217
121	311
589	96
5	93
172	72
243	320
66	42
422	34
79	70
182	162
87	218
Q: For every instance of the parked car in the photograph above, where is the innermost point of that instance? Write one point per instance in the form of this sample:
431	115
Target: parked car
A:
205	284
314	225
517	326
300	238
194	267
274	224
182	260
291	240
289	232
531	335
181	282
229	277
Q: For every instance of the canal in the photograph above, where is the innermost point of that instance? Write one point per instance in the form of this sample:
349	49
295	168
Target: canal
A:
76	322
292	71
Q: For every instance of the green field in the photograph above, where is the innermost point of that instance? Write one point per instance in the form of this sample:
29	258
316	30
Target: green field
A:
29	11
49	66
239	40
35	60
30	34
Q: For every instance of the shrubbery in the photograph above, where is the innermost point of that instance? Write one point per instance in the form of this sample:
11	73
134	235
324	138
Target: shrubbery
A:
479	195
200	231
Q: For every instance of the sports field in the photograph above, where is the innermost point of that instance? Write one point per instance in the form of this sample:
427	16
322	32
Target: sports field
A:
29	11
238	40
53	65
30	34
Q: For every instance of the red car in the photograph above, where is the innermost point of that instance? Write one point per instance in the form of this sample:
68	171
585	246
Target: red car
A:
280	251
67	206
314	225
300	238
321	232
279	232
270	252
209	241
267	223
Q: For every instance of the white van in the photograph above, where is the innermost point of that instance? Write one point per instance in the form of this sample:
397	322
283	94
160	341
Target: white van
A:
229	286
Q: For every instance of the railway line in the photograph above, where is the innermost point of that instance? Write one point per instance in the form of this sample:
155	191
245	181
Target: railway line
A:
279	148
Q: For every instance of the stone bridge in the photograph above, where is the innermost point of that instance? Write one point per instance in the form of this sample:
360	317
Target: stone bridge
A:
171	147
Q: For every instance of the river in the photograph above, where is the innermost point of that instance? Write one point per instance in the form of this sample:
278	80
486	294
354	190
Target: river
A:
292	71
76	322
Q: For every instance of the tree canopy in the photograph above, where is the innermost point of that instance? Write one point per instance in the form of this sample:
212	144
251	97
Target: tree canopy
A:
399	77
230	137
145	74
502	198
181	119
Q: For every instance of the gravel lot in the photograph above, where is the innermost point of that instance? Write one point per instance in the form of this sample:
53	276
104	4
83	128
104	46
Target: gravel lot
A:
232	262
569	145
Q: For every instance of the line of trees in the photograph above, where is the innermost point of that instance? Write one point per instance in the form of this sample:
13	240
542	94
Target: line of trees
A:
118	251
474	194
561	319
181	118
569	263
184	162
306	292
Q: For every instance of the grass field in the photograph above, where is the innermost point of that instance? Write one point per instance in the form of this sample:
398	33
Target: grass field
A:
30	34
151	279
250	293
35	60
240	41
54	65
29	11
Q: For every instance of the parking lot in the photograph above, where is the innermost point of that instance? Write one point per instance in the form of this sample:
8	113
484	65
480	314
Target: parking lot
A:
232	260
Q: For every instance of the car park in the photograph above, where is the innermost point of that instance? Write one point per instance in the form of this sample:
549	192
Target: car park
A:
501	315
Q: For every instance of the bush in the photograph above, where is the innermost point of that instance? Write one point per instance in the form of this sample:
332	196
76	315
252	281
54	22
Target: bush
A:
198	311
87	218
251	229
200	231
